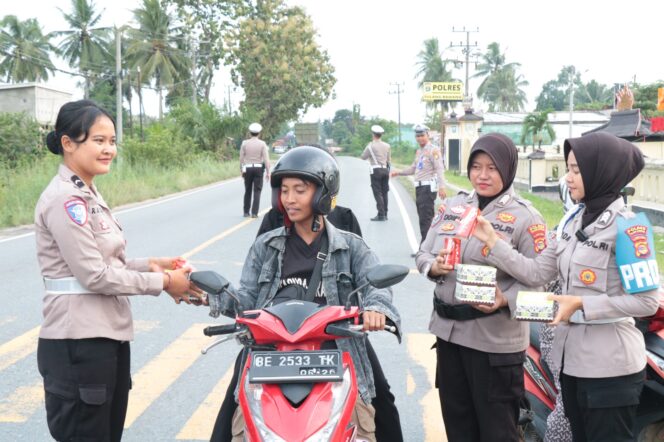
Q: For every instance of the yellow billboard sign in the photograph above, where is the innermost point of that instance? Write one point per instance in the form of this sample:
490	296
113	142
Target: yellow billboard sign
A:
448	91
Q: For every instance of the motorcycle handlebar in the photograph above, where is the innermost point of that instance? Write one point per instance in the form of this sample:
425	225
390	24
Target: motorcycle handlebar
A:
214	330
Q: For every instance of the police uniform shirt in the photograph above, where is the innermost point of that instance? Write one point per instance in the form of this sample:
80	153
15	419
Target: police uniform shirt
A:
523	228
254	151
77	236
588	268
296	269
427	165
381	151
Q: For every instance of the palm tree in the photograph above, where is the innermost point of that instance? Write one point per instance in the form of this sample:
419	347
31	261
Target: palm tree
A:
503	91
431	66
84	46
25	50
492	62
152	48
535	124
598	93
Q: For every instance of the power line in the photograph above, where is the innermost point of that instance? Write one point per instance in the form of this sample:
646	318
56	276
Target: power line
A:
466	49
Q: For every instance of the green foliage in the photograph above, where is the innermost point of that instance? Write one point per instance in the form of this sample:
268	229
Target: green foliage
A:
20	139
503	91
24	51
208	20
163	147
208	127
535	126
126	183
587	96
645	98
432	67
153	48
276	60
84	46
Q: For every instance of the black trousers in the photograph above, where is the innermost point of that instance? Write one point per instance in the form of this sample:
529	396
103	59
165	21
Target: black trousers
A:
479	393
380	185
425	200
253	179
388	424
602	409
86	383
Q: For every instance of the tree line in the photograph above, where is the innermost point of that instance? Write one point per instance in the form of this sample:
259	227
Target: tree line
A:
175	47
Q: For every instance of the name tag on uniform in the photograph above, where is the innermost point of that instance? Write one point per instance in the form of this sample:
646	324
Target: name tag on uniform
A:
635	254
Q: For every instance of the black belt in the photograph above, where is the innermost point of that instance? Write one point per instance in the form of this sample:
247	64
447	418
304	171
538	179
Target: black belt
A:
460	312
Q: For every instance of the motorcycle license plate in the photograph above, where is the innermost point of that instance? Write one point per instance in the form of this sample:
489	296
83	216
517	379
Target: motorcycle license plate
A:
295	366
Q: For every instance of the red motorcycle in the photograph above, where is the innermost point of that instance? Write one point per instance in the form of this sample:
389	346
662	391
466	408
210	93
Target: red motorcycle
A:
541	391
293	387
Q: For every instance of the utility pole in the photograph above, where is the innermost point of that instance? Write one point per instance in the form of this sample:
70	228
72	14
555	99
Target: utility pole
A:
571	100
192	44
118	85
466	50
399	91
140	102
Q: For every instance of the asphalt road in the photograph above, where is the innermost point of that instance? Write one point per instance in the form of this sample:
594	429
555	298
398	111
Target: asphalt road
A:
177	391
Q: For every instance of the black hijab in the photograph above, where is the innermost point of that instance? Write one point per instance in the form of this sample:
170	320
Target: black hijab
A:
504	155
607	164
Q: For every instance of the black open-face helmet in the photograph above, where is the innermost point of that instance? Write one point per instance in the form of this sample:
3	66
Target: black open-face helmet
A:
312	164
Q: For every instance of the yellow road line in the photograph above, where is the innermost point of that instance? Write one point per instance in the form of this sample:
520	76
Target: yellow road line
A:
200	424
419	345
163	370
18	348
221	236
22	403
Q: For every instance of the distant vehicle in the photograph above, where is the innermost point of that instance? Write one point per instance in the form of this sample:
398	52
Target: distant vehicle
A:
282	148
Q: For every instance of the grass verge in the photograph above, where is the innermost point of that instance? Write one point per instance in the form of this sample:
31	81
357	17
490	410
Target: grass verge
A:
20	188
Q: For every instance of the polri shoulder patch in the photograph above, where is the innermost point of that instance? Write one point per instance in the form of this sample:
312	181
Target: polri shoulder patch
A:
77	211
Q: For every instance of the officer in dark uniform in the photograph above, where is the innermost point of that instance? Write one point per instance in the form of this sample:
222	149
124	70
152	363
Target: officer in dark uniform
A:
254	160
429	180
378	154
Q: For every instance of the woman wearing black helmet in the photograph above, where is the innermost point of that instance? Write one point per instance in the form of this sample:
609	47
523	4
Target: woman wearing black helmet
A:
280	264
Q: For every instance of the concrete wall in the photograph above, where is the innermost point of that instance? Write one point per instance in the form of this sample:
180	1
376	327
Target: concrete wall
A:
39	102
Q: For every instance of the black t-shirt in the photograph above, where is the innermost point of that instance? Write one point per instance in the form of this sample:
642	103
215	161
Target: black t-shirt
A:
297	266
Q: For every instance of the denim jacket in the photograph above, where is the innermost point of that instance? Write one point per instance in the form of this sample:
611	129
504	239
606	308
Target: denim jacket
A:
348	261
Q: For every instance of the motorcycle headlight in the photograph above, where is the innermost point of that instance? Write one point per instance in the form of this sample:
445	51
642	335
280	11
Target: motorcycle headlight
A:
254	392
659	362
339	396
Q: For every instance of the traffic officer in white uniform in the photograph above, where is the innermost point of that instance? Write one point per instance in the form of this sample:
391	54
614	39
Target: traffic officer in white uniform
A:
254	161
596	345
83	349
378	154
429	179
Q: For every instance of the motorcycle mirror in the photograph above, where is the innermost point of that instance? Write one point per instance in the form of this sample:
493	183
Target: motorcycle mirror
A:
387	275
381	276
209	281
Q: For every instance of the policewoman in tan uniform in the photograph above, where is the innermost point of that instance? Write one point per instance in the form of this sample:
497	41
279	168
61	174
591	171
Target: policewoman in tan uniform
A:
378	154
429	179
600	351
254	160
83	350
480	350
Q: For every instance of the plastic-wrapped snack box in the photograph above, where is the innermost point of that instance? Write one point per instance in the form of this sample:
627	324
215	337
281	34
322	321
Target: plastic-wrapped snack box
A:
475	284
534	306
